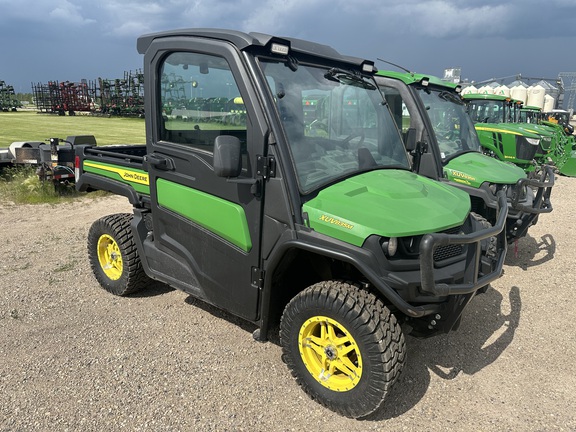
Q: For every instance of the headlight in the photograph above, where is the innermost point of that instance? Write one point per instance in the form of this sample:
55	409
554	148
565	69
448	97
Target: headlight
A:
520	191
533	141
390	246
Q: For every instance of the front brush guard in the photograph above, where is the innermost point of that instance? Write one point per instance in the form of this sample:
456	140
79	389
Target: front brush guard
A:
541	203
473	279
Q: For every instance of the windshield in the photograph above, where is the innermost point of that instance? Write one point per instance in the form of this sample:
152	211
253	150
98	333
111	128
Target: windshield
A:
335	121
453	127
491	111
529	116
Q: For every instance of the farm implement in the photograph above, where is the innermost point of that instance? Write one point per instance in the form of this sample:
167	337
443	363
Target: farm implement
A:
8	101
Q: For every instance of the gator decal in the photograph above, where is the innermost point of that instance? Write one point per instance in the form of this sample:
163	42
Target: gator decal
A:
460	177
333	221
136	178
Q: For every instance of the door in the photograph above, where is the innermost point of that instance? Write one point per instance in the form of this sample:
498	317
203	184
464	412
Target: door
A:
206	228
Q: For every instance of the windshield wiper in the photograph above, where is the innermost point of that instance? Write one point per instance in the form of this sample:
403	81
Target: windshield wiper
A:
450	97
348	78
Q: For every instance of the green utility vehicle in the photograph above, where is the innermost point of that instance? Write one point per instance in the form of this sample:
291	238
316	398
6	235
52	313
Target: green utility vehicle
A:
300	214
496	120
444	145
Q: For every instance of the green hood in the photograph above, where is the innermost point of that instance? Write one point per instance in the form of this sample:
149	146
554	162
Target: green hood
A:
389	203
537	129
507	128
474	168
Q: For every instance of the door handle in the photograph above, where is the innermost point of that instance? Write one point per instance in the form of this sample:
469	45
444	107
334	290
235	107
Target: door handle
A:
159	162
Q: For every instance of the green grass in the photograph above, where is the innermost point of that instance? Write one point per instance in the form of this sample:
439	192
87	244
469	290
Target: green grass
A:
30	126
21	185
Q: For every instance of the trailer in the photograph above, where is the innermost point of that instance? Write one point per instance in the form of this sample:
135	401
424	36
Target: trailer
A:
53	159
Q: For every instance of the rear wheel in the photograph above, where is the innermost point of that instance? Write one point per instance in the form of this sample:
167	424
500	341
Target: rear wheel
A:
113	255
343	346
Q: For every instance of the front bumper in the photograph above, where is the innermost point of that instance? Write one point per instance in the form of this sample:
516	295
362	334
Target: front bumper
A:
526	215
432	294
475	275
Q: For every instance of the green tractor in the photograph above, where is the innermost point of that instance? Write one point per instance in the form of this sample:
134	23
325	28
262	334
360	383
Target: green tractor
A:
528	145
564	154
561	117
444	145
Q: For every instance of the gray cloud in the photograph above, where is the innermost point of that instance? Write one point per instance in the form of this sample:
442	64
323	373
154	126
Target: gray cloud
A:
74	39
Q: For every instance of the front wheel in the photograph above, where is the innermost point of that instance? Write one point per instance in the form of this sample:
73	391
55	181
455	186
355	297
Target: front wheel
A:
343	346
113	255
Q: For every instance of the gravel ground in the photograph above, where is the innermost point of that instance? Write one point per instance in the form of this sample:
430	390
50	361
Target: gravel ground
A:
73	357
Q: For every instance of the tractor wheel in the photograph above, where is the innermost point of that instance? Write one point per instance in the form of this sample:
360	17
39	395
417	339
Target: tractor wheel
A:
113	255
343	346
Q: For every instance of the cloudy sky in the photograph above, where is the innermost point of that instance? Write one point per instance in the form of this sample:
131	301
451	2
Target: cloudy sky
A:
43	40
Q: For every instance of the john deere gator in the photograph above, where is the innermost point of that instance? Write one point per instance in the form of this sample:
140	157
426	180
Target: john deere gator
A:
444	145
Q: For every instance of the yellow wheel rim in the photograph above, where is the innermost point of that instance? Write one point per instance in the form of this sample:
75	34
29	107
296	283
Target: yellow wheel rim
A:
110	257
330	353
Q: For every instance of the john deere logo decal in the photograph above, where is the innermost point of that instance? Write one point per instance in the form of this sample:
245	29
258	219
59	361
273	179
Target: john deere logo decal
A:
135	177
128	175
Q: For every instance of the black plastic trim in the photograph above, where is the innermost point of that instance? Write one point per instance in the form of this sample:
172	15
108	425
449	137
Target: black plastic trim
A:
544	184
90	181
360	258
431	241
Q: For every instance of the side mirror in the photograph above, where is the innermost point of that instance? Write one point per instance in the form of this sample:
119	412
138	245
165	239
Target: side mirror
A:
411	140
227	156
428	166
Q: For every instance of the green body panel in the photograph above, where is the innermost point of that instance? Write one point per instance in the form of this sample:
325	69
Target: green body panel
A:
561	150
474	168
505	128
223	218
136	178
500	138
566	163
358	207
557	128
563	155
550	136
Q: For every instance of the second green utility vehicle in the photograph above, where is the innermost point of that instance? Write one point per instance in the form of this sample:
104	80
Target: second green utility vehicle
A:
445	146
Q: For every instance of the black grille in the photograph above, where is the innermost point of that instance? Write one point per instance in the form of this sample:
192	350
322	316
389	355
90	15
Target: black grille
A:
477	205
444	252
525	150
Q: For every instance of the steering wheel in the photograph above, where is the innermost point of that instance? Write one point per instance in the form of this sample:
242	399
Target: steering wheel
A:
345	142
318	129
446	134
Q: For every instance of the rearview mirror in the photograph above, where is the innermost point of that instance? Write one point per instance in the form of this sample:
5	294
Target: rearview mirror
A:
411	139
